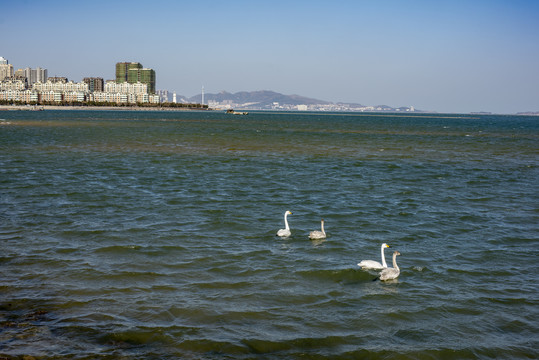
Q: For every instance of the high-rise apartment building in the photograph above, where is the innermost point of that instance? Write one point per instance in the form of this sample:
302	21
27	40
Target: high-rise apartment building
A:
6	69
35	75
163	95
94	83
133	72
122	69
145	76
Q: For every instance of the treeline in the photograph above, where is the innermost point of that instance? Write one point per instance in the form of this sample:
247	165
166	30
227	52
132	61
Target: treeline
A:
108	104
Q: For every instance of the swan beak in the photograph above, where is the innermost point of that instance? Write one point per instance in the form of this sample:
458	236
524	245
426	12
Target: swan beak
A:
387	246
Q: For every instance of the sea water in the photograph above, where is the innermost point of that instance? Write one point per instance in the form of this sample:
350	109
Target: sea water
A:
152	235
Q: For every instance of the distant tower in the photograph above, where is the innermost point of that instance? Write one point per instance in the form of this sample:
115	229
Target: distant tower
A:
174	97
202	95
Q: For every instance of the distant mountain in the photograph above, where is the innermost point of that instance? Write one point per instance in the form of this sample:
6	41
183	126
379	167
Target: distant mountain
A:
261	99
271	100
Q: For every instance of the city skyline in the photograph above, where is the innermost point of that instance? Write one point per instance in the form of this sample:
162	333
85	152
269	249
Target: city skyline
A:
455	56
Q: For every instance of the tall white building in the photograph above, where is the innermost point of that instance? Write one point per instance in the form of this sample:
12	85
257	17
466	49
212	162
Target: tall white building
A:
163	95
35	75
6	69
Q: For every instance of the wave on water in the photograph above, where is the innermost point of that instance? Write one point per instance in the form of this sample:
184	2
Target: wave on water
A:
152	236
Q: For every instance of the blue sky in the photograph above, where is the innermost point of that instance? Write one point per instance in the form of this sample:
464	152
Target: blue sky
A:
446	56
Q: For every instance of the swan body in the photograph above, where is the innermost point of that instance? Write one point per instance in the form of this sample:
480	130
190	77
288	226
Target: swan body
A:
371	264
318	234
391	273
286	231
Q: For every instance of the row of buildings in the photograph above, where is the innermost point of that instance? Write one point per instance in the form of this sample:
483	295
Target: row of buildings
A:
133	84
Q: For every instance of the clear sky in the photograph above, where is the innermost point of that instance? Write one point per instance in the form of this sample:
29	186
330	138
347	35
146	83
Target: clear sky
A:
446	56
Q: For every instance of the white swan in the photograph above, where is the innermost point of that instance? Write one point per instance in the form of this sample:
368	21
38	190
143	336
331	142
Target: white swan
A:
318	234
391	273
286	231
371	264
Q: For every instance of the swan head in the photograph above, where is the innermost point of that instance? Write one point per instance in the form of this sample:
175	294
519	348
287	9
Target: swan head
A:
384	245
288	212
396	253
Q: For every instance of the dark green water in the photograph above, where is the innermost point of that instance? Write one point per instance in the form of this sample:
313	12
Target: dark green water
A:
151	235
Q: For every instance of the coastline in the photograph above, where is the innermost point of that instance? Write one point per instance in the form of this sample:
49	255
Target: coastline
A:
26	107
95	108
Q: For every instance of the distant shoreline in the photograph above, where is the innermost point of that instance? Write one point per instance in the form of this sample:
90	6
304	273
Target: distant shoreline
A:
145	108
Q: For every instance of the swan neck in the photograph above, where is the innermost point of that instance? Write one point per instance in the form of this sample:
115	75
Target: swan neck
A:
322	226
395	261
286	222
384	264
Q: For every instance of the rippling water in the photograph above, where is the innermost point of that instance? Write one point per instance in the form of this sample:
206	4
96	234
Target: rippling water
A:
152	235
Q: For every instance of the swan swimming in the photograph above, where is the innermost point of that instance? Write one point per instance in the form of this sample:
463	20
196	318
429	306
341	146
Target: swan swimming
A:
391	273
318	234
286	231
371	264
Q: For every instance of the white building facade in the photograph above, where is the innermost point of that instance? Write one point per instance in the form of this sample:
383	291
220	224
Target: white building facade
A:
25	96
126	88
61	86
6	69
12	85
41	91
